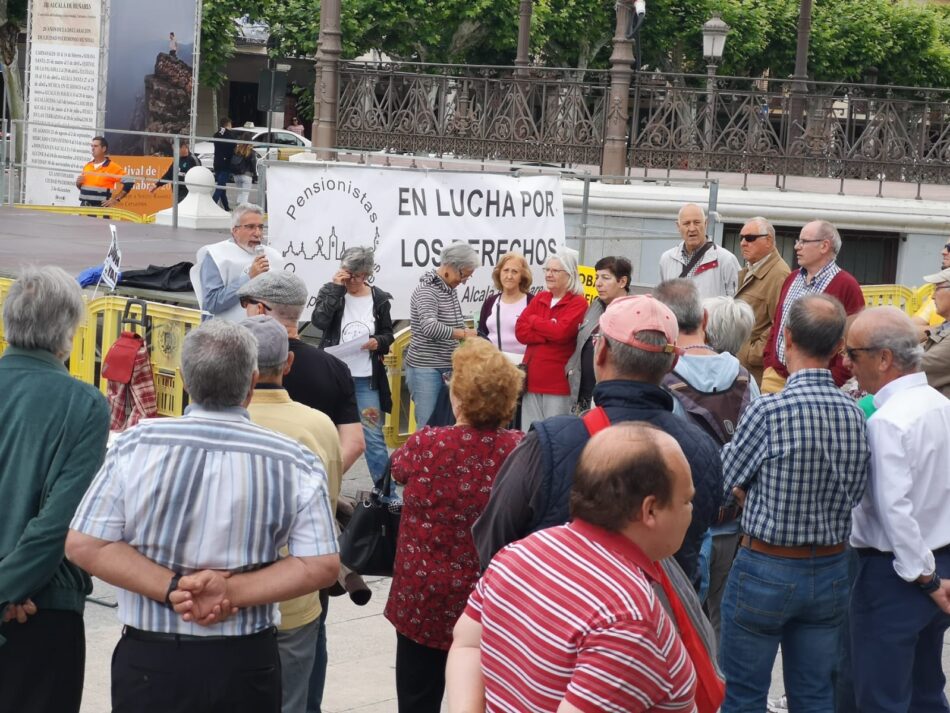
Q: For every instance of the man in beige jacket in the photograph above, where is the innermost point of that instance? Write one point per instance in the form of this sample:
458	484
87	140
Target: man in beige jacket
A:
760	283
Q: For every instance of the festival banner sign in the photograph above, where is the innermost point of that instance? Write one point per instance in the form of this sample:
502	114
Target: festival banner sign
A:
316	211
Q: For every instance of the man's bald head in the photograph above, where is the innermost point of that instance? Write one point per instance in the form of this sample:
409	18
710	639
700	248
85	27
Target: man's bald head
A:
691	222
888	329
618	468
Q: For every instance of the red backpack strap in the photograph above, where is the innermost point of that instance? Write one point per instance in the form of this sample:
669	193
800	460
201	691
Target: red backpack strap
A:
596	420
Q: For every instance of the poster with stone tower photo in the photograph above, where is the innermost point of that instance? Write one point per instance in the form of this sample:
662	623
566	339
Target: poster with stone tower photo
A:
151	76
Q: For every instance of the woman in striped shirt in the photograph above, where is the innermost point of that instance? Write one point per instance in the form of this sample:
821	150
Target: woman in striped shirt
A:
435	318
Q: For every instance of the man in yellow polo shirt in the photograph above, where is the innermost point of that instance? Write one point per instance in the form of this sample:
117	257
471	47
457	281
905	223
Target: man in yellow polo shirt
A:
102	183
272	408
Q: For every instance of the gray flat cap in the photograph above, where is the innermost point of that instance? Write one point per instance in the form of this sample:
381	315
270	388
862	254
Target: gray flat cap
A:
276	287
272	342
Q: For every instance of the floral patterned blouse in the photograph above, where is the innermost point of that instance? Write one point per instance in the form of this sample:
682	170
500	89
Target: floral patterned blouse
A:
448	473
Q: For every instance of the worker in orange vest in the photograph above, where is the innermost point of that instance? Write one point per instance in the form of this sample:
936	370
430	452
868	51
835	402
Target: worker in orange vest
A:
103	182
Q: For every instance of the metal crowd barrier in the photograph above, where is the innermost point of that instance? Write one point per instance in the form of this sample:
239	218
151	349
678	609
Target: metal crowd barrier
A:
113	213
165	327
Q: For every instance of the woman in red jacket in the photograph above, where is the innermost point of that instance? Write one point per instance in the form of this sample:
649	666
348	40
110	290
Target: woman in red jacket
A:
549	327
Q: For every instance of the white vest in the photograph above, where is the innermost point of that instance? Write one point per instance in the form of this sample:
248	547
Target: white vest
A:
232	261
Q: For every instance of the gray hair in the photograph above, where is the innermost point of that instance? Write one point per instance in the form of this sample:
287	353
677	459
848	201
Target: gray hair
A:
287	315
763	225
43	309
816	323
358	260
568	259
893	330
827	231
460	256
640	364
729	323
218	361
237	215
682	297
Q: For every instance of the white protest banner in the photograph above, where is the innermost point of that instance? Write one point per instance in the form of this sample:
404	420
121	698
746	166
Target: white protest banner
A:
316	211
113	261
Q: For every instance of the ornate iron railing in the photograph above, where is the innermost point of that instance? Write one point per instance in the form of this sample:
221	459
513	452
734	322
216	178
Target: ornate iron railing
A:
751	126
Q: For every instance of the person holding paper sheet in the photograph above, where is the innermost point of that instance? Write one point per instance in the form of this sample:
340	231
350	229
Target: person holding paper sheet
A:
350	310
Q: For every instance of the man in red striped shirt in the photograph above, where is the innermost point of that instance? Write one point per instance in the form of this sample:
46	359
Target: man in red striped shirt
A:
566	619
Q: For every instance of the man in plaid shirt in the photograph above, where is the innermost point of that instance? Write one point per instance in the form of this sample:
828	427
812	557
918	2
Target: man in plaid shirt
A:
799	462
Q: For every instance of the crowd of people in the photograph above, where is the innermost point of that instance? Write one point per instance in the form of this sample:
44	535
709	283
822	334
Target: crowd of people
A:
627	505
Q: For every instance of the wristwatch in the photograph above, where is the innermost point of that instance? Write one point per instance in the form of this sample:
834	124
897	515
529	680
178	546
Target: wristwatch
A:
930	586
172	586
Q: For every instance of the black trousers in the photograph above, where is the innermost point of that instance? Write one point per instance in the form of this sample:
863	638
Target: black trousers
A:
239	674
42	663
420	676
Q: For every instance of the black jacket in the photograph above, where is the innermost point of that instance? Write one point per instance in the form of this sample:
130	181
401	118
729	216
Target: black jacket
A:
328	316
223	151
563	438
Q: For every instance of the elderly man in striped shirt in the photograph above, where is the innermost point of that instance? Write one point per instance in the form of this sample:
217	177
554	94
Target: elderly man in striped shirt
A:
566	619
799	461
191	513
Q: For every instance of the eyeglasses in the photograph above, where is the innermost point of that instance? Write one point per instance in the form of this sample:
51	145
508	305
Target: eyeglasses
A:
805	242
943	286
947	247
245	301
552	271
752	238
851	351
252	226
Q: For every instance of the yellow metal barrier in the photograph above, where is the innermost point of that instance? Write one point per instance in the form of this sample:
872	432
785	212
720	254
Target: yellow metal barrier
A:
165	330
110	213
4	287
402	420
891	296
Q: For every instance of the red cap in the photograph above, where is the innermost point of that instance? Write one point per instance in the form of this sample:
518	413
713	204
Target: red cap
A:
626	316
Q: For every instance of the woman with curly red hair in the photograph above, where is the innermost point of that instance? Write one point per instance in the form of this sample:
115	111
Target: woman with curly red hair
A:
448	473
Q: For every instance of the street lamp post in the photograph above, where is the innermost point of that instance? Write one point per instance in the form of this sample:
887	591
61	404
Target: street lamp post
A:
524	36
714	42
614	157
328	78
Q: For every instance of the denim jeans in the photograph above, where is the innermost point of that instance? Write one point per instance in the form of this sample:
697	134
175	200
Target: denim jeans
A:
371	418
798	603
220	194
425	383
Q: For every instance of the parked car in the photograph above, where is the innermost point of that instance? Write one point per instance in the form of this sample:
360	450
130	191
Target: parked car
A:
258	137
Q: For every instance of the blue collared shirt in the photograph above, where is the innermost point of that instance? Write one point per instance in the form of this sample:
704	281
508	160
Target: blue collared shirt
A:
802	457
209	490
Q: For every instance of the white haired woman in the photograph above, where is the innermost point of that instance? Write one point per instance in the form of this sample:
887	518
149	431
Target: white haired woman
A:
435	318
549	327
349	309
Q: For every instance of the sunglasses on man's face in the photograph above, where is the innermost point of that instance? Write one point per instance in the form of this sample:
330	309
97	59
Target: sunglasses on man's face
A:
752	238
245	301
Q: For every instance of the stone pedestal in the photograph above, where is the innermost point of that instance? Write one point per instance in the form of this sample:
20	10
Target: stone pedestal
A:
197	211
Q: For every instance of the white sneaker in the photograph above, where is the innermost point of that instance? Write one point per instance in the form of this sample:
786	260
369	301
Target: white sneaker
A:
778	705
